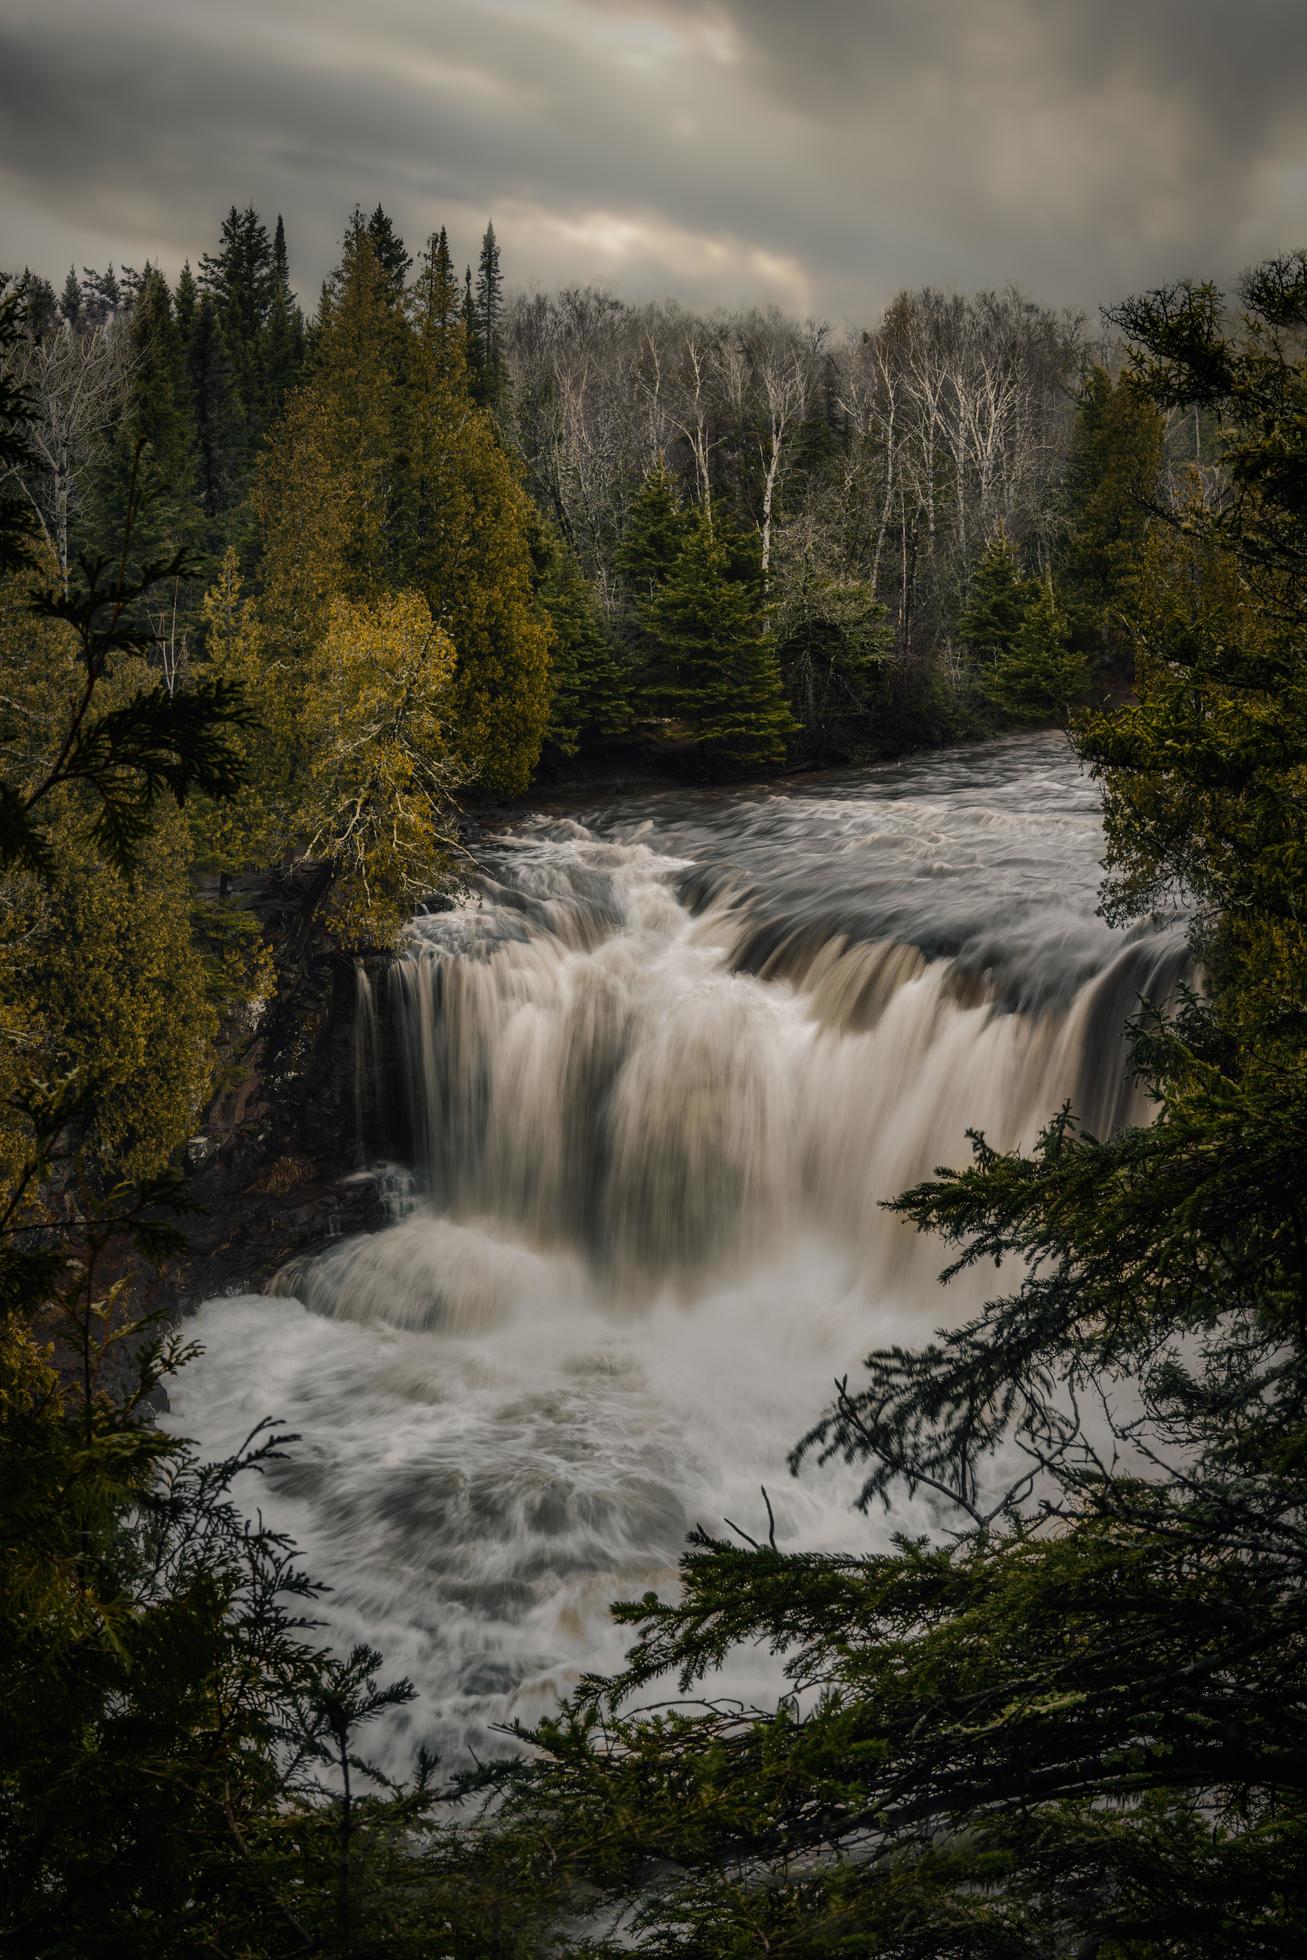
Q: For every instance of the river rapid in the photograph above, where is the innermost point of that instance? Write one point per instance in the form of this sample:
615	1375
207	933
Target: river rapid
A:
655	1073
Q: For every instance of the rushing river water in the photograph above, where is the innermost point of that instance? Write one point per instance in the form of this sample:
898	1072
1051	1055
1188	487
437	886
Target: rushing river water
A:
658	1070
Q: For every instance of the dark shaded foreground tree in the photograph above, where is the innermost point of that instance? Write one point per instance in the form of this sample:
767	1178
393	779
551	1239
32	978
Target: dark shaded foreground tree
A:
1072	1726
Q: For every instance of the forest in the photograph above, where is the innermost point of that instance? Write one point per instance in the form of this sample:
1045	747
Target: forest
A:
286	592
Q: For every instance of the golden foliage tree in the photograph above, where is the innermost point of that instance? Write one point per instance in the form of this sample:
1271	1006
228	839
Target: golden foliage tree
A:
100	978
378	698
253	827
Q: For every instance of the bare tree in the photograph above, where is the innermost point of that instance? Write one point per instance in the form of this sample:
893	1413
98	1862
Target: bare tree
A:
77	385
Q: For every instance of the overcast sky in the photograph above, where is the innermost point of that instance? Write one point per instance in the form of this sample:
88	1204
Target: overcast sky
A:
819	153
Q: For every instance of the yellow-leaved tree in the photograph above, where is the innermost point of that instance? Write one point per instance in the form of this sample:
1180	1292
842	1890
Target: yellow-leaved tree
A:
379	766
101	979
255	827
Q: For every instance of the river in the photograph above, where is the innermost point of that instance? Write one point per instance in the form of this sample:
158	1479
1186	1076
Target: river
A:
656	1072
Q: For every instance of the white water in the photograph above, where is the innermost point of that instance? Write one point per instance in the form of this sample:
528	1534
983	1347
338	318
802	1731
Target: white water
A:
658	1070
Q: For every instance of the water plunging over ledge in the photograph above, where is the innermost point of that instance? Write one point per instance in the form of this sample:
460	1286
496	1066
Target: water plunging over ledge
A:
655	1076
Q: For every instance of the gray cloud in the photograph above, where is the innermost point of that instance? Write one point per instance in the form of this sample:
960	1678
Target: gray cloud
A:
822	156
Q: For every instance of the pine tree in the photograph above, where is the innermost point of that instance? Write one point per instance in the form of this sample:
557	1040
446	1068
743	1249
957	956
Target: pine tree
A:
280	258
40	306
101	295
472	332
185	301
1108	497
151	462
240	278
1041	677
219	434
713	672
588	699
655	529
436	302
998	601
327	493
389	248
283	346
489	313
70	300
464	542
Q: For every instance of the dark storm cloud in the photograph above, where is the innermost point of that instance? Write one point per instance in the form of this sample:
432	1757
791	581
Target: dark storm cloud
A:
821	155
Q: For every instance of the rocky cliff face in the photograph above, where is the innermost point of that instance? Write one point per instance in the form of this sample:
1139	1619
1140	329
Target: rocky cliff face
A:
275	1167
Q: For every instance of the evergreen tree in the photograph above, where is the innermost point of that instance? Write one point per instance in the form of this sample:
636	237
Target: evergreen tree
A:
997	604
1041	677
465	544
280	257
239	277
217	420
588	700
472	334
70	300
149	469
1108	497
436	300
185	301
385	478
489	317
36	297
713	673
101	295
283	349
389	248
656	527
327	494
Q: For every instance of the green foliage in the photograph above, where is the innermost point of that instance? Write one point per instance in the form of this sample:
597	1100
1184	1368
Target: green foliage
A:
217	420
240	279
997	603
833	643
588	701
147	481
655	529
1039	677
465	543
713	674
1109	494
489	315
15	441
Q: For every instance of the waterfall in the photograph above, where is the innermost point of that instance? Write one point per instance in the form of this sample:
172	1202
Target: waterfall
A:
653	1077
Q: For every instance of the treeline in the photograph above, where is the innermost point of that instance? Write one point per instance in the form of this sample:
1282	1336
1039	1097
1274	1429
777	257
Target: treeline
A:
730	542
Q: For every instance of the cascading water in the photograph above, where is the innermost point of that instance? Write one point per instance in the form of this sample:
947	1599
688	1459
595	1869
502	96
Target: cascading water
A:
658	1071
